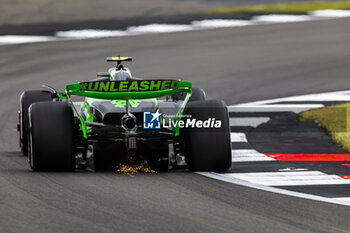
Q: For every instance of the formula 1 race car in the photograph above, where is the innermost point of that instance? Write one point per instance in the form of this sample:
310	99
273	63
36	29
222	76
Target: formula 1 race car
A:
165	123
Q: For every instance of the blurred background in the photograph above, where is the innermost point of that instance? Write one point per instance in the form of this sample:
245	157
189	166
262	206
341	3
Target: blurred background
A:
17	12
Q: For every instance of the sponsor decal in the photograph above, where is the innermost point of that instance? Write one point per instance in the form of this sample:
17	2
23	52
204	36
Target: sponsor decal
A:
193	123
128	86
151	120
122	103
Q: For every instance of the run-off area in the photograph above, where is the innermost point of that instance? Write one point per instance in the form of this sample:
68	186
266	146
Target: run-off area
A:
273	150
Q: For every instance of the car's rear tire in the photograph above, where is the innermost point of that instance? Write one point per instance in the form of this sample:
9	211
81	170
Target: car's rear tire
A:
27	98
51	133
197	94
208	149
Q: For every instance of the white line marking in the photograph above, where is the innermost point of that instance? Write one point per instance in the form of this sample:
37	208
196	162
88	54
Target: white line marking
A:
292	169
331	13
244	155
282	18
343	199
236	181
152	29
165	28
17	39
159	28
238	137
248	121
89	33
296	108
290	178
221	23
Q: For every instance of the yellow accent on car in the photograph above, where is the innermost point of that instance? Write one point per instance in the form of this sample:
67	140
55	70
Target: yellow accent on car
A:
119	59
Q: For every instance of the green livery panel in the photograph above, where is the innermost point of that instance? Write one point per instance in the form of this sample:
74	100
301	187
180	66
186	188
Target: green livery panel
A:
136	89
128	86
129	90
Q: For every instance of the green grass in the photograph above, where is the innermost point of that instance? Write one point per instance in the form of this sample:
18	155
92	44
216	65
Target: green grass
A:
302	7
335	119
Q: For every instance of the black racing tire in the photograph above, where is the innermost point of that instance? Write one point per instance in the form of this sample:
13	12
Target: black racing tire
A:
208	149
51	133
27	98
197	94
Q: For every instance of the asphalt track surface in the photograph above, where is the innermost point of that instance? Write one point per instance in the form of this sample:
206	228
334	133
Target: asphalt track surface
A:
237	65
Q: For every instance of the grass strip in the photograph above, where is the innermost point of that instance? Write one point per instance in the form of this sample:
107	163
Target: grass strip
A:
335	119
302	7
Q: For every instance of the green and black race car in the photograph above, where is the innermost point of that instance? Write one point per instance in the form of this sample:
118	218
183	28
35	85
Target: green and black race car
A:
165	123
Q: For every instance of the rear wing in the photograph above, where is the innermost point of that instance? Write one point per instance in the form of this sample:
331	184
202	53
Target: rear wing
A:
136	89
118	59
